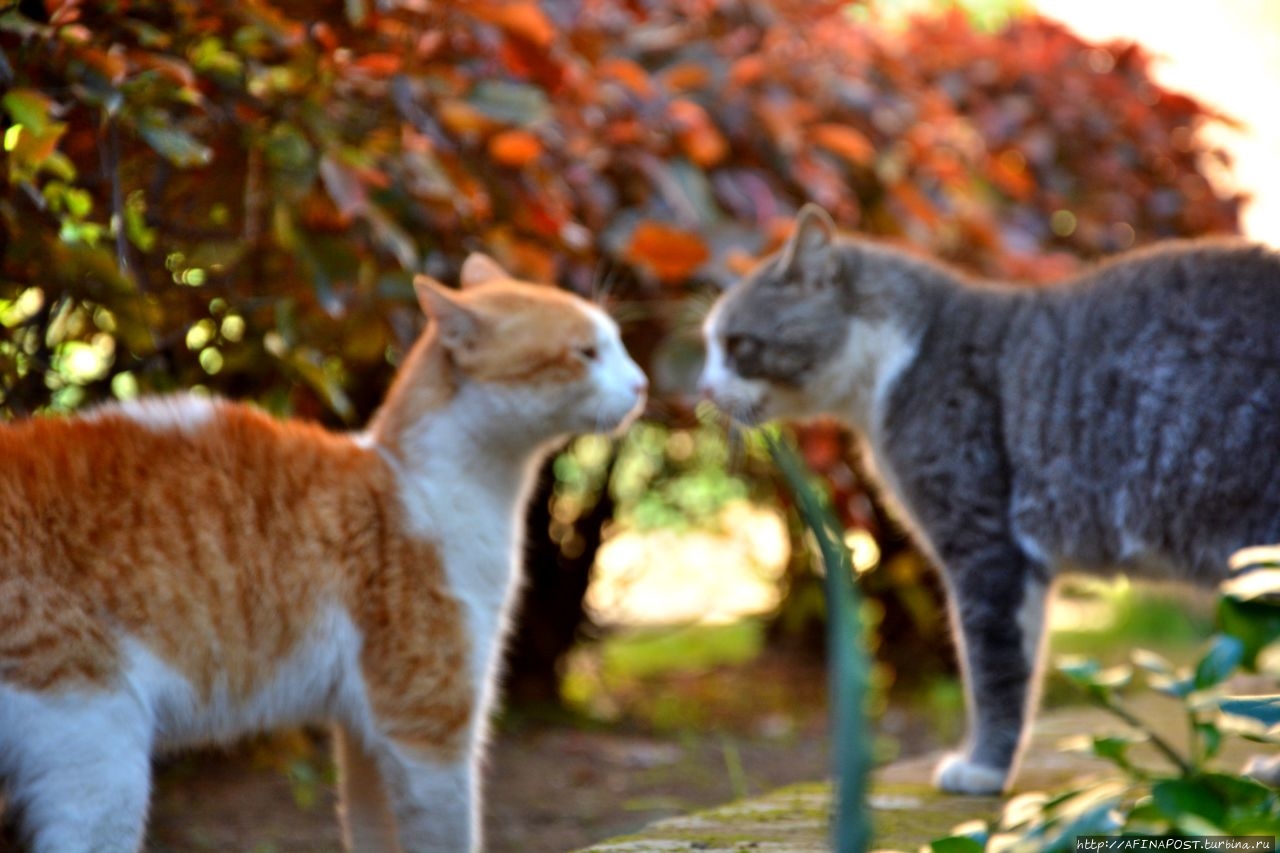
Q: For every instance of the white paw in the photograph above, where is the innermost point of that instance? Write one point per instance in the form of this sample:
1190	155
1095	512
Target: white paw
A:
1264	769
956	775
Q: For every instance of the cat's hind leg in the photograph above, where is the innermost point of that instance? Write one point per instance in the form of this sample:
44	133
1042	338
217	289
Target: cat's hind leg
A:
998	610
78	768
364	810
399	799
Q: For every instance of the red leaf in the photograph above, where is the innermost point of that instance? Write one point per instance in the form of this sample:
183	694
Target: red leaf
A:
515	148
845	142
630	74
378	64
698	136
521	18
671	253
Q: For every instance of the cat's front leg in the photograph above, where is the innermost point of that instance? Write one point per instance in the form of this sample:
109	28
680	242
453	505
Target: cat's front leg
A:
433	799
399	793
78	768
997	608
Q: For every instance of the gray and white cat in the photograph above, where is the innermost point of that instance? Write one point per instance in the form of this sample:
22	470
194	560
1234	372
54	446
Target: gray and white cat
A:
1128	420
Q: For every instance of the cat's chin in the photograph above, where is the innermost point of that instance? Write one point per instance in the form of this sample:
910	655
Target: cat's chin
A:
743	414
624	424
613	425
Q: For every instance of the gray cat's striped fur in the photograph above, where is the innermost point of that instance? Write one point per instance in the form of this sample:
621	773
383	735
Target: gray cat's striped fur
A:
1128	420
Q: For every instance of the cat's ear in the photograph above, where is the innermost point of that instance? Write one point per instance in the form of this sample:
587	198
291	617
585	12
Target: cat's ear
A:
456	325
480	269
814	232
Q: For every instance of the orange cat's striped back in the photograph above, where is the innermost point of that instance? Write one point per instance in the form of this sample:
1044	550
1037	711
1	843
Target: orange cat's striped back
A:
208	529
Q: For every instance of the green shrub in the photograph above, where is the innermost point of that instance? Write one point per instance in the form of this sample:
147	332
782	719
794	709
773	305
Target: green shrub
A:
1189	795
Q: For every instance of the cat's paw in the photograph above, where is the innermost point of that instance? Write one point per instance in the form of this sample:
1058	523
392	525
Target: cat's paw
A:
956	775
1264	769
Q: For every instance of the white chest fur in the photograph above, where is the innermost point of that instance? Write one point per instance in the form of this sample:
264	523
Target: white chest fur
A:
471	504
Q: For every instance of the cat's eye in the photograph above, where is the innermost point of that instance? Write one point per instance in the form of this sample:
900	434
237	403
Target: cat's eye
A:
587	352
739	346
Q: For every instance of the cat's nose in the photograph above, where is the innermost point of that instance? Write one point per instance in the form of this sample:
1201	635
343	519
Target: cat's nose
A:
641	387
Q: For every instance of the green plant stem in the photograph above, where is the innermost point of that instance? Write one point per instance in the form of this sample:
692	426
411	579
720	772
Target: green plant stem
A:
1193	741
848	664
1158	742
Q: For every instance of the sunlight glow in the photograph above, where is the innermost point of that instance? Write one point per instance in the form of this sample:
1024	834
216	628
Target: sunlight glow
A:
864	553
666	577
1190	41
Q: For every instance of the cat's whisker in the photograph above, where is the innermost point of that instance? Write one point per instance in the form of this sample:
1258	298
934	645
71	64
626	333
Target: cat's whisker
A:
693	312
607	282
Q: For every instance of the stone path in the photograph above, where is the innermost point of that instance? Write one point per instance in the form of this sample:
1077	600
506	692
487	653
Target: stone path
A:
907	812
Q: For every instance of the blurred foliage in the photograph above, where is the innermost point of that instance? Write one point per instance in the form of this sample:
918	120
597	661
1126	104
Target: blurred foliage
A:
1188	796
1102	618
661	477
235	196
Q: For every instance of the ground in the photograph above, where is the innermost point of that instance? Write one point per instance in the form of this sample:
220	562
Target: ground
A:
552	786
661	723
686	740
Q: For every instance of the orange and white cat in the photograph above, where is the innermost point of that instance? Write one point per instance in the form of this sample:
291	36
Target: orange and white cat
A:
180	570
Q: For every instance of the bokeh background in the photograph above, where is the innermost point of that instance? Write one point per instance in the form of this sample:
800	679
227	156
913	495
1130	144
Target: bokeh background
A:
233	198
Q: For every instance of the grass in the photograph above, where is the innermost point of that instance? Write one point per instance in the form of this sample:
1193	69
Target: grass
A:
1109	619
688	648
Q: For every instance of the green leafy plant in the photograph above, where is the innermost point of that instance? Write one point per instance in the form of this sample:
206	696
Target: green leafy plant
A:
1186	793
847	654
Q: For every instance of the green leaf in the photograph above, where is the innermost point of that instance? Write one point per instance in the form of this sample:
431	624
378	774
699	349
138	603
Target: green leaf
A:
1172	685
1210	738
1219	662
1260	555
1114	748
1077	669
1177	798
1100	818
1253	584
1196	826
1151	662
287	148
28	108
1264	709
1238	790
19	24
1255	623
1146	817
1089	674
511	103
209	57
956	844
177	146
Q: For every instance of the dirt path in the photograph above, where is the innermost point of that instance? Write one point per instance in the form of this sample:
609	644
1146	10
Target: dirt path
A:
550	788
